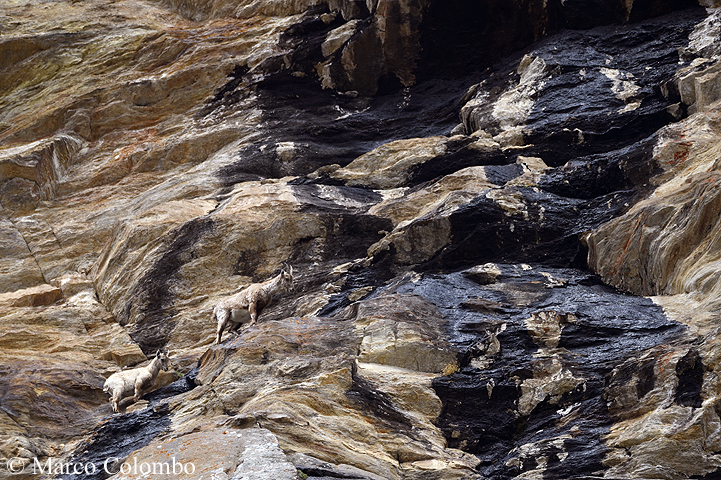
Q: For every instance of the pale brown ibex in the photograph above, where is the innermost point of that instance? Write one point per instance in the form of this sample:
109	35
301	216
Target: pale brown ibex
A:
245	306
135	382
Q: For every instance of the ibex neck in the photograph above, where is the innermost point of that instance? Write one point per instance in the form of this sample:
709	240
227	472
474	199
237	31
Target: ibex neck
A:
154	367
273	285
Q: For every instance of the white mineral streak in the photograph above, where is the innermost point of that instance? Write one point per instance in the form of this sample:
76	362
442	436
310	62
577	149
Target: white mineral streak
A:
513	107
704	38
623	88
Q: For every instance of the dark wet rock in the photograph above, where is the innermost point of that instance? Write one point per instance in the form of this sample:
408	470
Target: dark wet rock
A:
690	370
597	175
604	92
456	36
319	470
364	396
322	128
483	404
591	96
481	305
182	385
546	232
116	438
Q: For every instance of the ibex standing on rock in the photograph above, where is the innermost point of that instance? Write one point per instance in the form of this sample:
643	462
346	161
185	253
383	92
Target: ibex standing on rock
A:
135	382
246	305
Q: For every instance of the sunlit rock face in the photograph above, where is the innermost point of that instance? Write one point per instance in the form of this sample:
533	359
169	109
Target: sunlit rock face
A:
475	200
665	246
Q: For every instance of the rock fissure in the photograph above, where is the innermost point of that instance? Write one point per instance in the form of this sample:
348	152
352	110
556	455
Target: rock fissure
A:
32	254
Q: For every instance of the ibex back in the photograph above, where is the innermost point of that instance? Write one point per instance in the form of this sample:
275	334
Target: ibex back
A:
245	306
135	382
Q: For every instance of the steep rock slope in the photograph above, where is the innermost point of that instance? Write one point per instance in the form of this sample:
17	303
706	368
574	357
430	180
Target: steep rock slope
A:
156	156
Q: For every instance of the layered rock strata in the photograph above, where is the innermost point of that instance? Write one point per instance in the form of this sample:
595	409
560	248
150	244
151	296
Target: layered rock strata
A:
446	191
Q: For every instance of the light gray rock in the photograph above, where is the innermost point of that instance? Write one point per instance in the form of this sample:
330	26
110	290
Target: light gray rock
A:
262	458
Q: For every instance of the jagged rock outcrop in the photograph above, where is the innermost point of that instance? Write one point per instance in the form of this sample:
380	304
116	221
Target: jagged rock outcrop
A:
453	185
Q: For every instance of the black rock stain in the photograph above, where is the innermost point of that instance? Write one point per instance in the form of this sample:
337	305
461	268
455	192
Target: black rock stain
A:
115	439
366	397
152	298
121	434
690	370
480	404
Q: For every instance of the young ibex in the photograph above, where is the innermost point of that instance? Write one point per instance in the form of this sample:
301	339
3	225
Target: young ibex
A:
135	382
246	305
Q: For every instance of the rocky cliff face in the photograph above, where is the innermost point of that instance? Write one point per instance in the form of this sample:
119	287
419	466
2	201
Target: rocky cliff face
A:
502	220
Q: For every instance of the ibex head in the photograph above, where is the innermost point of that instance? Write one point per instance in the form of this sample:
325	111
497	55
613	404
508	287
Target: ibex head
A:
162	355
286	277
